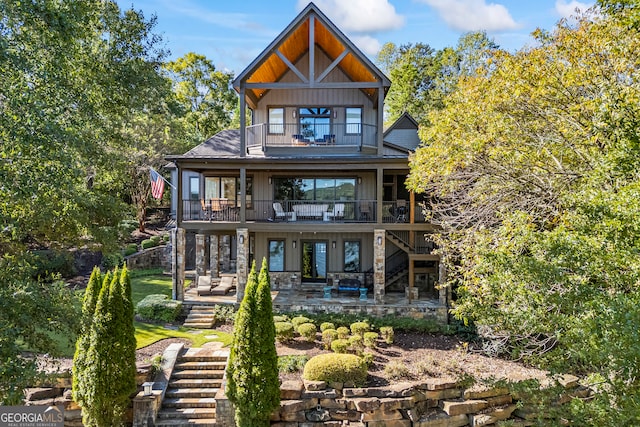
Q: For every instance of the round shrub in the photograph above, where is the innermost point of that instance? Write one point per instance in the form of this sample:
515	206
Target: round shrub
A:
156	239
359	328
159	307
328	336
387	334
299	320
308	331
281	318
355	343
397	371
326	325
284	331
341	368
340	346
130	251
166	238
148	243
343	332
367	358
369	339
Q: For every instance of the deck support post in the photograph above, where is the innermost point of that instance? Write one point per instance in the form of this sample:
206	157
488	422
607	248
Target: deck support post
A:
214	254
242	262
201	268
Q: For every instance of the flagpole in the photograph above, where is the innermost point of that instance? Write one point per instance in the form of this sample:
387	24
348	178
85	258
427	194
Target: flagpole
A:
162	177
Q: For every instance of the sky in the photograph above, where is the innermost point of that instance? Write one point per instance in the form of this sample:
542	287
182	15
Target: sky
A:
233	33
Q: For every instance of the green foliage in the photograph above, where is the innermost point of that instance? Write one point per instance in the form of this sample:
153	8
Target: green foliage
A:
50	263
299	320
326	325
284	331
107	375
224	313
252	370
532	168
340	345
328	336
148	243
156	239
112	260
281	318
308	331
368	358
292	363
341	368
356	344
359	328
369	339
130	251
387	334
395	370
343	332
158	307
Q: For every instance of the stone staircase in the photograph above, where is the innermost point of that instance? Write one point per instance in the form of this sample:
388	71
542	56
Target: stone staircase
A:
195	381
200	317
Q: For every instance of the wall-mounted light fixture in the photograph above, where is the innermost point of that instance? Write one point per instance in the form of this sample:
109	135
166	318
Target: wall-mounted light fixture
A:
335	114
270	180
294	113
379	240
295	244
241	239
359	180
333	244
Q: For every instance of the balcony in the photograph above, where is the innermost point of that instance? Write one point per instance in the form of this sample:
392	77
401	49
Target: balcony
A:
336	136
320	211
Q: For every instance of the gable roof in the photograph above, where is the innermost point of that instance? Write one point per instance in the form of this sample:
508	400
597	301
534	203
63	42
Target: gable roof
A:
310	27
402	134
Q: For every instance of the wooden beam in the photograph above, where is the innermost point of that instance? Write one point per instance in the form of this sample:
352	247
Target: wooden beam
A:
412	279
312	50
332	85
333	65
292	67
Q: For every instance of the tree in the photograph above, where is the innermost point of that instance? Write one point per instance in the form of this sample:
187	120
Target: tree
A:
252	370
204	93
532	170
107	382
73	73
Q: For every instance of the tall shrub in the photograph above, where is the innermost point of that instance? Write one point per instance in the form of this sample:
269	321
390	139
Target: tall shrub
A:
109	379
252	370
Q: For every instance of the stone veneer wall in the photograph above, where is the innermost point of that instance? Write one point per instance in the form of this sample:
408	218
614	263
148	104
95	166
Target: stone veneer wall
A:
156	257
433	403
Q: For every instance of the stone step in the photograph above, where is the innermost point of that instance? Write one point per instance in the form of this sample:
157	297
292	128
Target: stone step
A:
202	422
192	392
189	402
200	316
198	325
217	365
195	383
188	413
195	354
197	374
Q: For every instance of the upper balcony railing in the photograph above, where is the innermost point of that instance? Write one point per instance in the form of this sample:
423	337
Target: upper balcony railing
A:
322	211
265	135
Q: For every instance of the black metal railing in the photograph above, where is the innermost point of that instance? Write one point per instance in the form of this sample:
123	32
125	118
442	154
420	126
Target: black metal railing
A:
266	135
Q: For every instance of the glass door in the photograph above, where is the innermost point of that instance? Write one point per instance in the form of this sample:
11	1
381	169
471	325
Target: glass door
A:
314	262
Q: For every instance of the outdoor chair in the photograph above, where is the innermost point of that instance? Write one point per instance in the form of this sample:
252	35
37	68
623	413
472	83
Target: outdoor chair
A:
280	214
205	209
336	213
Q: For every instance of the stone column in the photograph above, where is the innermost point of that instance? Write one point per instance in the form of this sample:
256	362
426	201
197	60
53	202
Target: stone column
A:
213	255
378	265
442	278
242	260
177	263
226	253
201	268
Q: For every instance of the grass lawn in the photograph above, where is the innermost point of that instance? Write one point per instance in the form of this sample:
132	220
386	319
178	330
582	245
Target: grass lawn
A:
143	283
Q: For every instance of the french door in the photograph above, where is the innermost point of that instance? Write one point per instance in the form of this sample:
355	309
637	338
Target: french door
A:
314	261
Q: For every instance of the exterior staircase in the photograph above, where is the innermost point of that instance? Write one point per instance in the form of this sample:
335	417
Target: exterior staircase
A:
200	317
190	396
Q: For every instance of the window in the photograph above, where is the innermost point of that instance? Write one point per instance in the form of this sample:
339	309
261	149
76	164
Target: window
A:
352	256
314	123
194	188
276	255
353	120
227	187
314	189
276	120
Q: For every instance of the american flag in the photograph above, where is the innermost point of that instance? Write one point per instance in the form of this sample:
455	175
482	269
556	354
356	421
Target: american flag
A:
157	184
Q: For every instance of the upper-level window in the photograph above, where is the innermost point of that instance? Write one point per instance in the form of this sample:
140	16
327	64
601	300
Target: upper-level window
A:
314	122
353	120
314	189
227	187
276	120
194	188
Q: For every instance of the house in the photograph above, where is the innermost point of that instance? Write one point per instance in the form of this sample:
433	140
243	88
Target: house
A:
311	182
